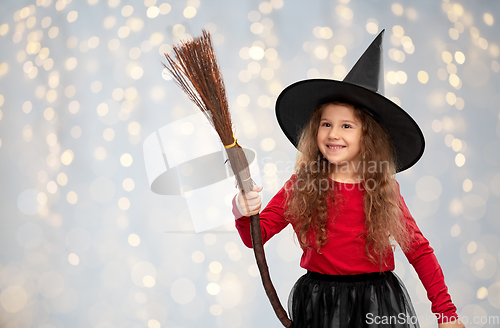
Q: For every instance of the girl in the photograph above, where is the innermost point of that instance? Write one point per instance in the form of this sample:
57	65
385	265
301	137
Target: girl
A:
344	204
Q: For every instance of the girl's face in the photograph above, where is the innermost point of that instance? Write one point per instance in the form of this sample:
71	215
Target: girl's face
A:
339	137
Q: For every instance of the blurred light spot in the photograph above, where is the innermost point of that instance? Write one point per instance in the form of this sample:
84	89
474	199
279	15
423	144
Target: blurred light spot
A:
76	132
198	257
53	32
488	19
256	53
72	16
96	86
136	72
73	259
267	144
102	109
213	288
459	57
392	77
134	240
100	153
209	239
72	197
483	265
270	54
113	44
182	291
456	145
13	299
41	198
165	8
243	100
245	76
321	52
4	28
123	32
215	267
253	16
124	203
460	160
451	68
74	107
178	30
467	185
423	77
189	12
455	230
451	98
67	157
454	80
109	22
453	33
265	7
397	9
447	57
128	184
134	53
71	63
127	10
372	26
482	293
27	106
153	12
152	323
134	128
398	31
471	247
216	310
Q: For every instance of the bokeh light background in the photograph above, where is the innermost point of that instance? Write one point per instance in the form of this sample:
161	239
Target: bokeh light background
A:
85	243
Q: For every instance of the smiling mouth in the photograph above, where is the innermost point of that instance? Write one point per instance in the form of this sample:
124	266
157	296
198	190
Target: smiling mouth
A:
335	147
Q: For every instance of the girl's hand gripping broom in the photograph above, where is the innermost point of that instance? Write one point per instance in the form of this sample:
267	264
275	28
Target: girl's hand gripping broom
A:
196	71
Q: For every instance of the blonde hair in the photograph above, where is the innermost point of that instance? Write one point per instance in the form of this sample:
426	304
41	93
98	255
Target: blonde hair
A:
307	204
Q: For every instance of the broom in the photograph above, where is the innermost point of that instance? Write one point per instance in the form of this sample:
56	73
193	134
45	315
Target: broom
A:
196	72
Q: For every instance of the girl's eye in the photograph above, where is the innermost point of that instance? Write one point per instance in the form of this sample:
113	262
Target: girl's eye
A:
346	125
326	124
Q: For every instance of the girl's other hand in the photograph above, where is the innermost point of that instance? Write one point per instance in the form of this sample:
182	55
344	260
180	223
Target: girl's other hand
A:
253	202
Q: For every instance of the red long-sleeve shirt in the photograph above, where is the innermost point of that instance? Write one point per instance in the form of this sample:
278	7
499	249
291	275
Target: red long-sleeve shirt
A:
344	251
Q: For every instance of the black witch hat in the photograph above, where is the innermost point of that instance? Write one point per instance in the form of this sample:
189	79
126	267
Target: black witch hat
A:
363	87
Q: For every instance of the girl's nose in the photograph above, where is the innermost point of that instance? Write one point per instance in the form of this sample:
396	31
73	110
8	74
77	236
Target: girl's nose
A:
334	133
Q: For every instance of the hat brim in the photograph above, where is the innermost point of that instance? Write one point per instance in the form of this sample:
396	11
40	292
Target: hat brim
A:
296	104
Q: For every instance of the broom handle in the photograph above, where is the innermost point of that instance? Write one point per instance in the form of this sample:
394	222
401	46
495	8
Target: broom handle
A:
260	257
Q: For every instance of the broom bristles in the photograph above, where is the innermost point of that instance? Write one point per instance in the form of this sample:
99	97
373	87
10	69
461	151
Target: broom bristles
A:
197	73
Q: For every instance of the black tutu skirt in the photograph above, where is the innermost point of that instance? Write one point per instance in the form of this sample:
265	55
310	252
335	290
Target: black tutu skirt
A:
371	300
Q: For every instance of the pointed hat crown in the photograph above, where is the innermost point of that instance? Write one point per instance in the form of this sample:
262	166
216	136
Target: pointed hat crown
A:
368	72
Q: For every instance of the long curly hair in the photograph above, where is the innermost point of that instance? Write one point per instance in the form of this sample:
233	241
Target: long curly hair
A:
307	204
